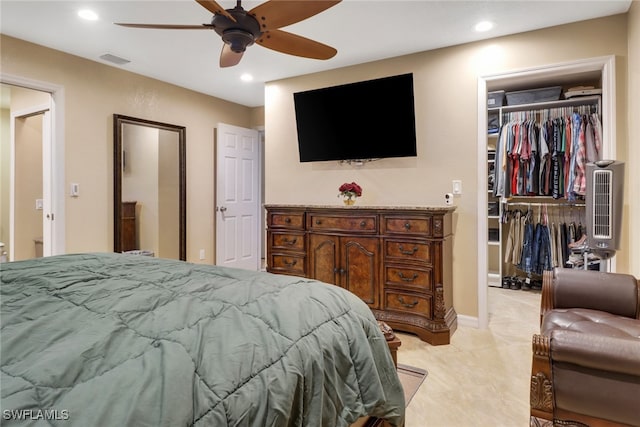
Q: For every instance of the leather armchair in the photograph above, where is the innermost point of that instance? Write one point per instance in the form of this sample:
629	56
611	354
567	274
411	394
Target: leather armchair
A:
586	359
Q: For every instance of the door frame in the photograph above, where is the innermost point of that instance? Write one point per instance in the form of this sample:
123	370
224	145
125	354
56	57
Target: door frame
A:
56	148
604	64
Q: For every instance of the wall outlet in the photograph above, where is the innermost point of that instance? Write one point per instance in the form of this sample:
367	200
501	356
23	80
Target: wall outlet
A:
202	254
448	198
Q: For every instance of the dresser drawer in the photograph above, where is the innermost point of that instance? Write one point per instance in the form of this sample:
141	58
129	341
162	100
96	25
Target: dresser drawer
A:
288	264
408	303
407	250
406	225
409	277
289	241
286	220
361	223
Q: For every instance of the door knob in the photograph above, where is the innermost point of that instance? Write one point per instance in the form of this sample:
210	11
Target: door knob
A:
223	208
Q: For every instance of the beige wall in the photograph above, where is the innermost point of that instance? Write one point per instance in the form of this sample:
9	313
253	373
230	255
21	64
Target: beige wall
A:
446	101
93	93
633	158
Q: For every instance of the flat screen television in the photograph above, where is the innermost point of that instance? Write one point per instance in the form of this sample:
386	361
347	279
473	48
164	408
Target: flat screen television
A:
366	120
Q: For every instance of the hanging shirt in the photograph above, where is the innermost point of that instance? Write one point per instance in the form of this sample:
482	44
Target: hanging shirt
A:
580	183
575	145
592	139
597	137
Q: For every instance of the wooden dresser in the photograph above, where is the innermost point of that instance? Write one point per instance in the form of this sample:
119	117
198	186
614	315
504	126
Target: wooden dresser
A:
128	227
396	259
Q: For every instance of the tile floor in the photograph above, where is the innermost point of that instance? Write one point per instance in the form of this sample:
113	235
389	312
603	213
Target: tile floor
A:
482	377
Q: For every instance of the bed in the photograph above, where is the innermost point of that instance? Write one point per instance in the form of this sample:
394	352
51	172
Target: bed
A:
126	340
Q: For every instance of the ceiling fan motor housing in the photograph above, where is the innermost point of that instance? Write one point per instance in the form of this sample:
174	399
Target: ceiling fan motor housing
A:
240	34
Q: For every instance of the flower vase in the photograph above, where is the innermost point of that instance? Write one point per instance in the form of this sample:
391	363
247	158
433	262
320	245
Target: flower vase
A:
349	201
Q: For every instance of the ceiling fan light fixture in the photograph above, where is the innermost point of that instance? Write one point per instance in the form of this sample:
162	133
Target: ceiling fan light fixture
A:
240	29
237	39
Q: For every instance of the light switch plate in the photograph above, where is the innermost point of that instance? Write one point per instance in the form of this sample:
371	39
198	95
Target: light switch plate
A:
457	186
75	190
39	204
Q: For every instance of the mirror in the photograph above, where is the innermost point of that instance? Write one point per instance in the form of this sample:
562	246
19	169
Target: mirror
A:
149	172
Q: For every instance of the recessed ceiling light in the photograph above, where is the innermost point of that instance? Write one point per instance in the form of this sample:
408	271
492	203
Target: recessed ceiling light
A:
246	77
87	14
483	26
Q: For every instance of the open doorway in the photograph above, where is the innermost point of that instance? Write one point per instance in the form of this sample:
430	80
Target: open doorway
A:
26	213
603	68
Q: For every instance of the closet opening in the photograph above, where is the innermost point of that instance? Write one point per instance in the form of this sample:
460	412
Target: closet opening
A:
531	210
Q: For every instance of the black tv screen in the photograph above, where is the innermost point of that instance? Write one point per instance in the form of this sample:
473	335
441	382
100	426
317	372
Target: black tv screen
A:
372	119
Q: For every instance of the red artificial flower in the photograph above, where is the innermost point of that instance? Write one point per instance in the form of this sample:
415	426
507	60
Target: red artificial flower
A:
350	189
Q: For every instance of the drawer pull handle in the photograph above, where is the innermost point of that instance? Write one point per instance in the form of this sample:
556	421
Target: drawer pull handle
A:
290	263
408	252
407	279
318	222
407	304
407	225
287	220
290	241
363	223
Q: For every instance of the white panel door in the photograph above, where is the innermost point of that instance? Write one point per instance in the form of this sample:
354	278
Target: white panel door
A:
238	197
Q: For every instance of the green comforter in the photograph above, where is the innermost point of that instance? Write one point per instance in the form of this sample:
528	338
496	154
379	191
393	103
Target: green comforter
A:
123	340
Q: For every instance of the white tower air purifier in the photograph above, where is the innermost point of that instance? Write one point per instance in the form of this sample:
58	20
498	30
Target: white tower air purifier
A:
605	180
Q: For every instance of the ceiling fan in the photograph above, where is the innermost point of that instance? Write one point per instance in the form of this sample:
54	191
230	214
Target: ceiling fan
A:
240	29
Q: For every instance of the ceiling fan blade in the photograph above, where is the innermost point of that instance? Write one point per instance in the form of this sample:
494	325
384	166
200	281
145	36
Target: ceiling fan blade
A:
168	26
294	44
215	8
279	13
229	58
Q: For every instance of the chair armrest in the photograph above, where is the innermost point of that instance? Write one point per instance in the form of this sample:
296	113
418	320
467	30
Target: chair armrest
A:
613	293
605	353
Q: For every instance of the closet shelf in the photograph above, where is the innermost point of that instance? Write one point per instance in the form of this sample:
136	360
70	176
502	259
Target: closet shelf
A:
582	100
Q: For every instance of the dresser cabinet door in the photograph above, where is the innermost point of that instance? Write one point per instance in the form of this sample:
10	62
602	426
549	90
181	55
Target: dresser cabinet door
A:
349	262
359	268
324	258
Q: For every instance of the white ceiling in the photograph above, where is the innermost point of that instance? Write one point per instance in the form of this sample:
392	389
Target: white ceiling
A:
361	31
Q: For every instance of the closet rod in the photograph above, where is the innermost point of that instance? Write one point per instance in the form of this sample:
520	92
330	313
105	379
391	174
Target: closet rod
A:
562	205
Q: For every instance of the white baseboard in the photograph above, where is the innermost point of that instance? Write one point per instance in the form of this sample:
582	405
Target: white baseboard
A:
469	321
